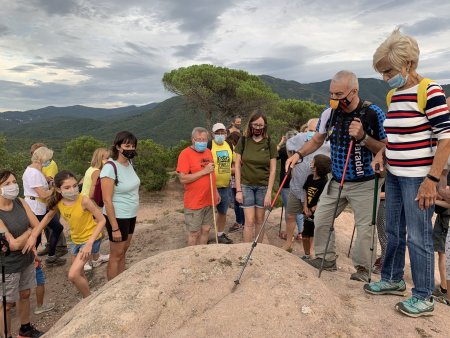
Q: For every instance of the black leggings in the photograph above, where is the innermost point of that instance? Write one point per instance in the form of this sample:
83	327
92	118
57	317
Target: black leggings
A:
57	229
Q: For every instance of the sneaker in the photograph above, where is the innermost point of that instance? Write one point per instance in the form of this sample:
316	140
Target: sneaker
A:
361	274
223	239
43	251
101	259
327	265
61	251
440	296
235	227
30	332
305	257
415	307
43	308
87	267
54	261
386	288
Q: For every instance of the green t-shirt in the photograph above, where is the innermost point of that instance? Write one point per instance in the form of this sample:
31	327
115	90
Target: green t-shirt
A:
255	167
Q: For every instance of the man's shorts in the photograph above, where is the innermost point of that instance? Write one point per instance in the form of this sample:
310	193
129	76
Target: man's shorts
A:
440	230
294	205
253	196
195	218
75	248
19	281
222	207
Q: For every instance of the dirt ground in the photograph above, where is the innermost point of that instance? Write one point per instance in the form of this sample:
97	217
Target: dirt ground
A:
160	227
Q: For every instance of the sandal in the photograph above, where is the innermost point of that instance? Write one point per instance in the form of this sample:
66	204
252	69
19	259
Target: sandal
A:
298	237
235	227
283	235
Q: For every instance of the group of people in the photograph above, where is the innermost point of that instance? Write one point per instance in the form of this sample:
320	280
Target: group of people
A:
331	164
409	147
50	195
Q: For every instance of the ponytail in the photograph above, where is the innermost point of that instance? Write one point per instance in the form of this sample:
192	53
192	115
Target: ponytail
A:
53	200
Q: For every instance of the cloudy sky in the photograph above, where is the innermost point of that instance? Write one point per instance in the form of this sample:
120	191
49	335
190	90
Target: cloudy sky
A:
109	53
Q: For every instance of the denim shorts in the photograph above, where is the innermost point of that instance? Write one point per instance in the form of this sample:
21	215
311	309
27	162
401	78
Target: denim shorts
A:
75	248
222	207
40	277
253	196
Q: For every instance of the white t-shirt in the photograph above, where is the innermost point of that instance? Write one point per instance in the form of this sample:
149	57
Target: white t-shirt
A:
33	178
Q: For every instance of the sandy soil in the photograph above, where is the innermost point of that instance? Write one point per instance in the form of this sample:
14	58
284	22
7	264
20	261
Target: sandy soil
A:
160	227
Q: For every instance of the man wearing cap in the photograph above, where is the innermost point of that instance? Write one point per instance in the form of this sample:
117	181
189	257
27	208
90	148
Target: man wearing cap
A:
222	153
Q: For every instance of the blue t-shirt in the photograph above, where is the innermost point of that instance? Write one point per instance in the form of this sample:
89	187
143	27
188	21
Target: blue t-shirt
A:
126	194
359	168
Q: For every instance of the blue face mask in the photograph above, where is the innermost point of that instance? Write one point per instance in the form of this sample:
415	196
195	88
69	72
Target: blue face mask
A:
200	146
46	163
309	135
397	81
219	139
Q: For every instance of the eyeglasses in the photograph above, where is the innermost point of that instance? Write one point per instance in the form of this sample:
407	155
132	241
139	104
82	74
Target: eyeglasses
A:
200	139
258	126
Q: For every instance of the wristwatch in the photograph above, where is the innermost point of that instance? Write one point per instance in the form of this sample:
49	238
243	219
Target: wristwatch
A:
364	139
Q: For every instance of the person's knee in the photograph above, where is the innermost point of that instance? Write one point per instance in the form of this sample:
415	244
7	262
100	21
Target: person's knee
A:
25	294
206	228
72	275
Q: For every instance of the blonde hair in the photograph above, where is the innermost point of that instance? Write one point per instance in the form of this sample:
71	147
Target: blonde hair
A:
398	49
36	146
41	155
97	157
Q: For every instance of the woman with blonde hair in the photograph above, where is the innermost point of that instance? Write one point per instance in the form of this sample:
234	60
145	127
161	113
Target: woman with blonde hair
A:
36	191
99	158
418	132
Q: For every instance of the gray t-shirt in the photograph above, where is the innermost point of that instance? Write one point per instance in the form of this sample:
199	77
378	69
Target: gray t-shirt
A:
17	223
302	170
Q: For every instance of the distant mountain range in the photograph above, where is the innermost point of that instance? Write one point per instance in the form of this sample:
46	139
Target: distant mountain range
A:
166	123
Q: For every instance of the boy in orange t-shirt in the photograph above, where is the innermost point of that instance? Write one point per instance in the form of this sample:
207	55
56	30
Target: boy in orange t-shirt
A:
196	168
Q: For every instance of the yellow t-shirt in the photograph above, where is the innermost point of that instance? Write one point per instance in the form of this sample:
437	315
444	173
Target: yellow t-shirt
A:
51	170
223	158
81	222
87	182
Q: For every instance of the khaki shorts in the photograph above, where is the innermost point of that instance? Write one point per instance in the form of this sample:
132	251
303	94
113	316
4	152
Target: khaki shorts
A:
294	205
195	218
19	281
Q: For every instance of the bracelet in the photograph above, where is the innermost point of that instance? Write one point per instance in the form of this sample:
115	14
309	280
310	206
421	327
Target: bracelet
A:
433	178
300	155
365	137
116	230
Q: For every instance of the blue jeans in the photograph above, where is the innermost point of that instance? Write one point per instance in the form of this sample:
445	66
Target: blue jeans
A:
403	211
57	229
238	211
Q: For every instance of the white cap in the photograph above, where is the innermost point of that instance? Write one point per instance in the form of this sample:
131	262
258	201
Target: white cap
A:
218	126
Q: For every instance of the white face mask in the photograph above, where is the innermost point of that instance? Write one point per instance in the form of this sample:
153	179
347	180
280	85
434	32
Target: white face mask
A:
10	192
70	195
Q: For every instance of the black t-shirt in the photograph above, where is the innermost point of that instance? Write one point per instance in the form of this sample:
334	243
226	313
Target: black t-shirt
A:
283	156
313	189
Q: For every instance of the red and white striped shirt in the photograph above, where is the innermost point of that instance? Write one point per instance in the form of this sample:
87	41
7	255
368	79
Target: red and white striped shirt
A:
413	135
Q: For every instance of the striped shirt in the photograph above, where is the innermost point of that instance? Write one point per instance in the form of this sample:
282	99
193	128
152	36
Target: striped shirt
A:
413	135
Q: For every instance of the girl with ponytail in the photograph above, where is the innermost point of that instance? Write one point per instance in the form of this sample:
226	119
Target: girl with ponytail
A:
79	211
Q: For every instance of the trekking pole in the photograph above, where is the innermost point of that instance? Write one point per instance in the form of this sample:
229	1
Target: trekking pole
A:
255	242
341	185
4	251
213	206
351	241
281	219
374	218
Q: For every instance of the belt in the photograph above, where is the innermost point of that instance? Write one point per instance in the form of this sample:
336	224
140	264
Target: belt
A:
36	199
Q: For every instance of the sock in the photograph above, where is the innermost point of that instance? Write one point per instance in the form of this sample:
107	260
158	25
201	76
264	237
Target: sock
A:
443	290
219	234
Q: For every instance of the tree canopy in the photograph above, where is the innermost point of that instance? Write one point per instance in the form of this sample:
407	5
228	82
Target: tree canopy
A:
221	91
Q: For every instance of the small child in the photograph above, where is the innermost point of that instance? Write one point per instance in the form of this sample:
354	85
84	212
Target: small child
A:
86	222
314	185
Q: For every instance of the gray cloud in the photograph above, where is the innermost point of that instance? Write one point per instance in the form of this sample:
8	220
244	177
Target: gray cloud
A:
428	26
69	61
58	7
141	49
189	51
3	29
22	69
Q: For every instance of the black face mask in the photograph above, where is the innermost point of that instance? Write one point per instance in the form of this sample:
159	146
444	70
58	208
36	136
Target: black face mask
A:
129	154
257	132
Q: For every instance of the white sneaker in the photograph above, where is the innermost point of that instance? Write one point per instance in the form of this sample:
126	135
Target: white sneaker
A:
87	267
101	259
44	308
